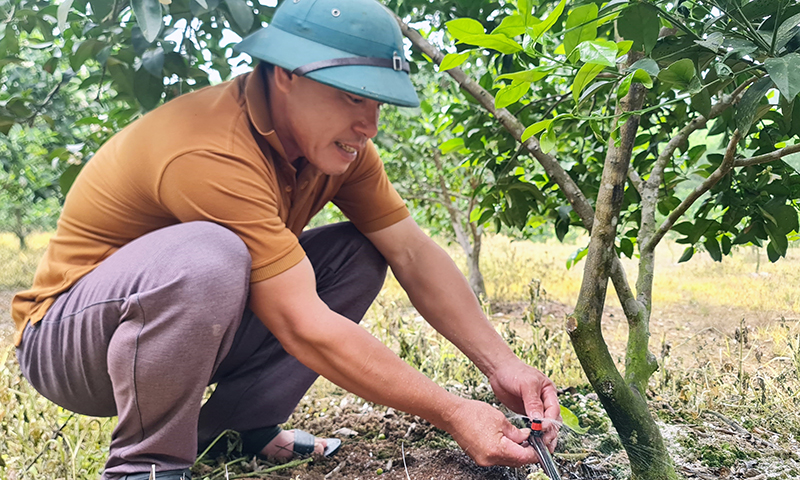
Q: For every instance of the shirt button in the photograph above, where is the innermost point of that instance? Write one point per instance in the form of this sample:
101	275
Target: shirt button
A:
288	188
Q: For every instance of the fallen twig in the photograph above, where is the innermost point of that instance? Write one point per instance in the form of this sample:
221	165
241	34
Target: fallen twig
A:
336	470
292	464
742	431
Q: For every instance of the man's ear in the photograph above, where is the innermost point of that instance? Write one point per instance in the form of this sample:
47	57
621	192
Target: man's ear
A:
283	79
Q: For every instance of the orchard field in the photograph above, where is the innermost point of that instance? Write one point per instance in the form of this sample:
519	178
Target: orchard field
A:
619	181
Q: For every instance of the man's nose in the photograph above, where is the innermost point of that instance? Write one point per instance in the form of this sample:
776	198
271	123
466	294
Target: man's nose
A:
368	124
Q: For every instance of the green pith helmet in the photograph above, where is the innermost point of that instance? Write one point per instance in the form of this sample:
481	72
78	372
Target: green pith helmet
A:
352	45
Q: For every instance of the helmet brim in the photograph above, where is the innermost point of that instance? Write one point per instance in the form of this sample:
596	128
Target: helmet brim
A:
290	51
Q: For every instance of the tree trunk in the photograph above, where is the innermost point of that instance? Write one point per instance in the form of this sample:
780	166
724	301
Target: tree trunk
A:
624	402
19	229
473	263
472	249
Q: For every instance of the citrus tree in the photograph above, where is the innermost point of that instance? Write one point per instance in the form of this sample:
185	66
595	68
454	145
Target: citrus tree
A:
584	113
627	84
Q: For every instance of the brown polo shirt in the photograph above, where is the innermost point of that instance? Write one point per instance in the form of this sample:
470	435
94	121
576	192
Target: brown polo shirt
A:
208	155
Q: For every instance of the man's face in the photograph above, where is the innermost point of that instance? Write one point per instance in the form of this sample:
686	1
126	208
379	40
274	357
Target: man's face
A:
326	125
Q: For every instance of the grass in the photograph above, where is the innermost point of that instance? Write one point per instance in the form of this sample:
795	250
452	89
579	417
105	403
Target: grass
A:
727	336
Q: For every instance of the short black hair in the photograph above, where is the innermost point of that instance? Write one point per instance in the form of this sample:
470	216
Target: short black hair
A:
268	67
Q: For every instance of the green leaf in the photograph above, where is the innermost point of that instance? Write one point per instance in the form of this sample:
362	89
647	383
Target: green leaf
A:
486	215
451	145
580	26
562	222
6	123
777	238
242	14
573	260
726	245
63	11
785	72
537	30
695	153
464	27
786	31
679	74
453	60
592	90
201	7
532	75
712	247
525	9
772	252
148	17
87	49
648	65
784	216
511	26
626	247
746	109
597	131
687	254
501	43
153	62
547	141
139	43
640	24
510	94
624	47
100	9
9	45
601	52
641	76
585	75
49	66
534	129
147	88
713	42
571	421
67	178
624	85
702	102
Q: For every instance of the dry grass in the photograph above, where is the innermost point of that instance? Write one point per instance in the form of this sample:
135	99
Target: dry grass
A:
711	359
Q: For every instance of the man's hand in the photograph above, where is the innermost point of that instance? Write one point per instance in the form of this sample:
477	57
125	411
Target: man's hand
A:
487	436
442	295
529	392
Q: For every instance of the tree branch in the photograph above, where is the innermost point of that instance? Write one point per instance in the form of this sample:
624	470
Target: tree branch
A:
767	157
724	168
461	235
574	195
657	174
46	101
576	198
635	180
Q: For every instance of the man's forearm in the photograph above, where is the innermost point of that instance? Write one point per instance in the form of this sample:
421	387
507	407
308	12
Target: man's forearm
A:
441	294
346	354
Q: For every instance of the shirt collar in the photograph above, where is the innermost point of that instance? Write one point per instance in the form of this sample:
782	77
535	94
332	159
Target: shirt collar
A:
255	93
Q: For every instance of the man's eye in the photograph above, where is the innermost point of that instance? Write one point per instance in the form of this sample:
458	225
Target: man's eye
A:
355	100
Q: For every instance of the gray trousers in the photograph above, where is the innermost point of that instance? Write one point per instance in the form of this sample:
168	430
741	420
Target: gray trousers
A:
143	334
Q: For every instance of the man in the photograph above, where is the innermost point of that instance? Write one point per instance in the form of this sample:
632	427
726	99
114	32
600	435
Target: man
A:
180	261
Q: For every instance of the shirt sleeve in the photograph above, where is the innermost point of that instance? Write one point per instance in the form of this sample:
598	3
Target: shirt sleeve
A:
233	193
367	197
